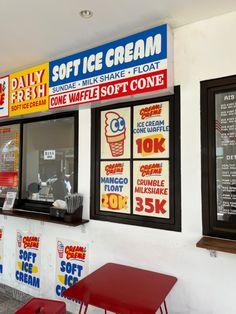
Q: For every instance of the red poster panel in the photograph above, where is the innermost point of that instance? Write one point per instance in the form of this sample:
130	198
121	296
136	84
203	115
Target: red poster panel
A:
9	179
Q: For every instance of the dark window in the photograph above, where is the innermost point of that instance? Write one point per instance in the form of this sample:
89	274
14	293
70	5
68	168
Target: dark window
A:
47	159
136	163
218	134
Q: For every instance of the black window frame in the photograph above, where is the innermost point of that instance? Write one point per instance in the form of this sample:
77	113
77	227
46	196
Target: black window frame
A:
211	226
35	205
174	222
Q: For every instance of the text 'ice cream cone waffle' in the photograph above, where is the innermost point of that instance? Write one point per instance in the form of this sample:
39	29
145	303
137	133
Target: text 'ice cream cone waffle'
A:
115	132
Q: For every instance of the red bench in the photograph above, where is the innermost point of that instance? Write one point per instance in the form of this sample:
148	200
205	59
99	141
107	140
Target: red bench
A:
42	306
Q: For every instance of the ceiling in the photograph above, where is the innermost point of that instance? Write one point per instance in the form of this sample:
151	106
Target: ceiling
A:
34	32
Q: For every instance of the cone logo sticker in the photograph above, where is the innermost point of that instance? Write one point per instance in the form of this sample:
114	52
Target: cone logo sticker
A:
115	125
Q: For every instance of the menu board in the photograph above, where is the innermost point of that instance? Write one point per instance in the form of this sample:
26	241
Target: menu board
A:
134	173
9	156
151	188
115	133
115	186
151	131
225	133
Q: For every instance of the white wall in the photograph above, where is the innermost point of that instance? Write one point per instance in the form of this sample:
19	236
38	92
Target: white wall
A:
205	285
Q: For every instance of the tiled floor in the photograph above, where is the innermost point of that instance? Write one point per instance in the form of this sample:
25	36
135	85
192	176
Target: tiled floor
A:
11	299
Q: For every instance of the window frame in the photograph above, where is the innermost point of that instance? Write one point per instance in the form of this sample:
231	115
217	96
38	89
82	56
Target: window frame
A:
35	205
212	226
172	223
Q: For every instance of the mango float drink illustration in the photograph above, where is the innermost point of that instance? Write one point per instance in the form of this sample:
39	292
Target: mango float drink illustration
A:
115	132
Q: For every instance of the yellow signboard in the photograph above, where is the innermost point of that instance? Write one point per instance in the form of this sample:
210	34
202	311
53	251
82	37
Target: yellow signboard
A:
29	90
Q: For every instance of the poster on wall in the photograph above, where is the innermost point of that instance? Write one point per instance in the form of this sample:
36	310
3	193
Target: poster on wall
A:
225	132
29	90
1	249
9	158
115	186
135	64
151	131
72	260
4	91
28	259
151	188
115	133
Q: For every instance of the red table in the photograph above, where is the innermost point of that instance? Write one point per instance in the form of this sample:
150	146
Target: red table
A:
123	289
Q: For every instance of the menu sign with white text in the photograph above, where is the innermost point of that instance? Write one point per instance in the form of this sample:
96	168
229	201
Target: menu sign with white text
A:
225	132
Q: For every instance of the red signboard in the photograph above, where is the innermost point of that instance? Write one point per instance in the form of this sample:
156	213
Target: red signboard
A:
8	179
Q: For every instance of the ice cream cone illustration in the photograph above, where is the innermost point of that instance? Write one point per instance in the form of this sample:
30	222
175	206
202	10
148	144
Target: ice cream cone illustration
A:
19	239
115	133
60	249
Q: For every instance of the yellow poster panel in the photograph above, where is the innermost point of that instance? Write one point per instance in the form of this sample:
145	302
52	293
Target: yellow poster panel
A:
29	90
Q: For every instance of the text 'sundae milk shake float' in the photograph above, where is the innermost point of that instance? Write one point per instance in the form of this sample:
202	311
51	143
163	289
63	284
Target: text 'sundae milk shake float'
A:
115	133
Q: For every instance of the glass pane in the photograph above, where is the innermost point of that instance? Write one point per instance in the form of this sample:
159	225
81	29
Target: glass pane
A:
9	159
48	159
225	131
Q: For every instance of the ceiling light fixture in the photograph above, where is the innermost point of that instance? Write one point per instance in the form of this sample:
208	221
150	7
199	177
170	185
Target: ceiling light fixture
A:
86	14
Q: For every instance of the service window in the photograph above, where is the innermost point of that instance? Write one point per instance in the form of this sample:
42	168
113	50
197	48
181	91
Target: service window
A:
44	166
218	127
136	163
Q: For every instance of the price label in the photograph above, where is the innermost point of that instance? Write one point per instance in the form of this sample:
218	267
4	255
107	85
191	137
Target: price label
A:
114	201
150	205
151	145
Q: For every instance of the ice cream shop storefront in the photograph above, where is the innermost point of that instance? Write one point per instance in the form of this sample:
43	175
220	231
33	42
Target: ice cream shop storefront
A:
100	162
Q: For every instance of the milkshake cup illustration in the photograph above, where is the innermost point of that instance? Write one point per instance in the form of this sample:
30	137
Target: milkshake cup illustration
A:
19	239
60	249
115	132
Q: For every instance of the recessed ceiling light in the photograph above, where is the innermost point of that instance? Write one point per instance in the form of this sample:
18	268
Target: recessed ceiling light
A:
86	14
